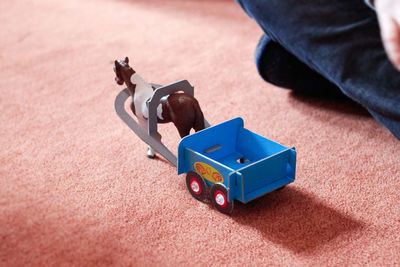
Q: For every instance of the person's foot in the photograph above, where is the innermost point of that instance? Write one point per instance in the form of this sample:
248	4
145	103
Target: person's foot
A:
279	67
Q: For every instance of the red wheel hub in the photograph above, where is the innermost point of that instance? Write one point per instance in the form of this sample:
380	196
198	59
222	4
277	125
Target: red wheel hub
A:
195	186
220	199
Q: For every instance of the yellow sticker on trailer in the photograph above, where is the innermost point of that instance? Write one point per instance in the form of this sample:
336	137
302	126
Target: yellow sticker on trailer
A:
208	172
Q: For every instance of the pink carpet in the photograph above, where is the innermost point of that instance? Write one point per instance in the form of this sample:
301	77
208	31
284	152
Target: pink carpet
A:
75	185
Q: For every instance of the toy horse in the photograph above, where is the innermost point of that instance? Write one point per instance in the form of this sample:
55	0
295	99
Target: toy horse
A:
180	108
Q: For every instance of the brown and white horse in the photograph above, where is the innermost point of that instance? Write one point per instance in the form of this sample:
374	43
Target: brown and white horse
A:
180	108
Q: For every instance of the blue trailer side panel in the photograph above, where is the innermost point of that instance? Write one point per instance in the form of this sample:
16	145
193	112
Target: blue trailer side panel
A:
234	185
264	176
291	166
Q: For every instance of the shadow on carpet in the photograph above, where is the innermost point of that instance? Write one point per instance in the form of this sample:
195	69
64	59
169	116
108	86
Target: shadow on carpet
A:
295	220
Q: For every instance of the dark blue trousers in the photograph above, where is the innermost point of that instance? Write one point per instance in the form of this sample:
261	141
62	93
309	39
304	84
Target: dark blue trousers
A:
333	45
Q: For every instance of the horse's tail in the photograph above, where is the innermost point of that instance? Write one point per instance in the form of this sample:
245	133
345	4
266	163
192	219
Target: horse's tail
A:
199	120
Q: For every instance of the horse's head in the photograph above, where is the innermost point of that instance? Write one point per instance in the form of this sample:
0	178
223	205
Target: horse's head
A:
123	71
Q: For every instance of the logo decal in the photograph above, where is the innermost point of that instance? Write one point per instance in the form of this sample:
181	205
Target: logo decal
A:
208	172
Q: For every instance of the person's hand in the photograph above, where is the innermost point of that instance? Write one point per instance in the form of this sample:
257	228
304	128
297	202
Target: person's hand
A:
388	12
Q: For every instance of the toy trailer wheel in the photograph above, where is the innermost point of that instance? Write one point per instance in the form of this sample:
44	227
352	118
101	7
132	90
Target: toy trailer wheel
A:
196	186
219	198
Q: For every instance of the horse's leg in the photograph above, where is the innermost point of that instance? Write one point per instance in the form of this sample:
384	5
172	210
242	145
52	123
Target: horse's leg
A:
143	124
198	124
186	121
183	130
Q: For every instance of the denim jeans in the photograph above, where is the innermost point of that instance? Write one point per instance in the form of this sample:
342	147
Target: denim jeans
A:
339	40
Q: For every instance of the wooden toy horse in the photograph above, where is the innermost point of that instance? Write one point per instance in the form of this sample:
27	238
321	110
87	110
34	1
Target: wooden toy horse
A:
180	108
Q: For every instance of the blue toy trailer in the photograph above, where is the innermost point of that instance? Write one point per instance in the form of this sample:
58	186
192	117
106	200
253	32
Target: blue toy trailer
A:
232	162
